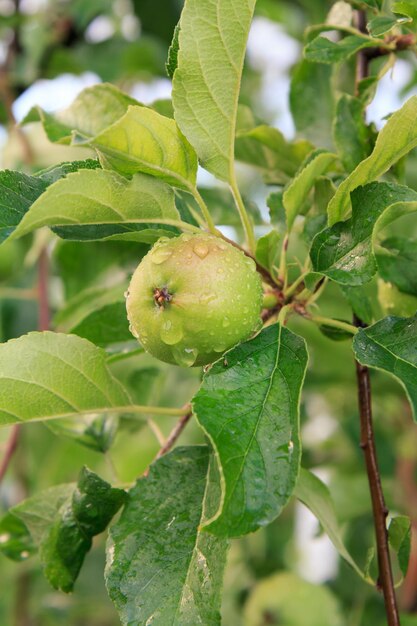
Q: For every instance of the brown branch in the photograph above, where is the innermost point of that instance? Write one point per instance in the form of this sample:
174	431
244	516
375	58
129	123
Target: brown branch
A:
380	511
367	440
175	433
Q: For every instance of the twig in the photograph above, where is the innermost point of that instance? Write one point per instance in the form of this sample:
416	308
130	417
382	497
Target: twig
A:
380	511
175	433
367	439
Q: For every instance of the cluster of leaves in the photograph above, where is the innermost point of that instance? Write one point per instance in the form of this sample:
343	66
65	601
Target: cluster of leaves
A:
167	551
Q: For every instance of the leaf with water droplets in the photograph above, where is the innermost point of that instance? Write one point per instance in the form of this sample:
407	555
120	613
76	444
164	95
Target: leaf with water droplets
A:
248	405
160	568
391	345
344	252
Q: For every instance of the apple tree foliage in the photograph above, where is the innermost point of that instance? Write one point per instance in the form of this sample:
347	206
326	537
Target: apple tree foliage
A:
340	241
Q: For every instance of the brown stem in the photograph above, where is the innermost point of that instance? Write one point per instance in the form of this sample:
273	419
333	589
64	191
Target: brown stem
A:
175	433
362	59
367	440
379	509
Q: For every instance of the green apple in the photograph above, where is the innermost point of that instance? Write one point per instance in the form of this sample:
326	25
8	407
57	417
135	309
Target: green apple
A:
192	298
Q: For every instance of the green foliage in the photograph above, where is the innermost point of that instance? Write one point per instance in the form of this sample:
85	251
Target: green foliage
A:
257	477
78	382
340	242
390	345
157	545
207	79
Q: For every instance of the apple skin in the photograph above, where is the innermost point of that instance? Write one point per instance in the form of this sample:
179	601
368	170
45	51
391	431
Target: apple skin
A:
192	298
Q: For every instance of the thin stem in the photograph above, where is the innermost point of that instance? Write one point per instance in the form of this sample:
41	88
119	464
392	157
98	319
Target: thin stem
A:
293	287
243	214
367	440
121	356
175	433
380	511
282	275
328	321
204	210
186	414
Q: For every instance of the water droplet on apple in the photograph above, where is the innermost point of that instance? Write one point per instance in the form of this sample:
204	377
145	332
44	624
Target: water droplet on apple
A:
133	330
171	333
185	357
226	322
160	254
201	250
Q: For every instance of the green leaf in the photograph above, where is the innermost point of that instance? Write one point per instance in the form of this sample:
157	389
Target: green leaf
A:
323	50
350	132
96	432
360	302
49	375
19	191
391	345
86	264
145	141
380	25
161	569
24	525
399	535
172	60
97	314
63	548
286	599
206	83
268	251
395	302
397	263
408	8
311	82
135	209
15	540
316	164
267	149
54	173
312	492
344	252
395	140
92	111
248	405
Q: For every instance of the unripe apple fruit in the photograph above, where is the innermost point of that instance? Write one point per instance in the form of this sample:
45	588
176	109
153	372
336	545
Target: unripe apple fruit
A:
193	297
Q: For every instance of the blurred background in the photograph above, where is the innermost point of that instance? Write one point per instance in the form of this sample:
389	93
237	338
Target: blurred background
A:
49	51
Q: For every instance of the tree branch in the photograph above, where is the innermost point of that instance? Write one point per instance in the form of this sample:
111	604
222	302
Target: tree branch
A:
175	433
380	511
367	439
